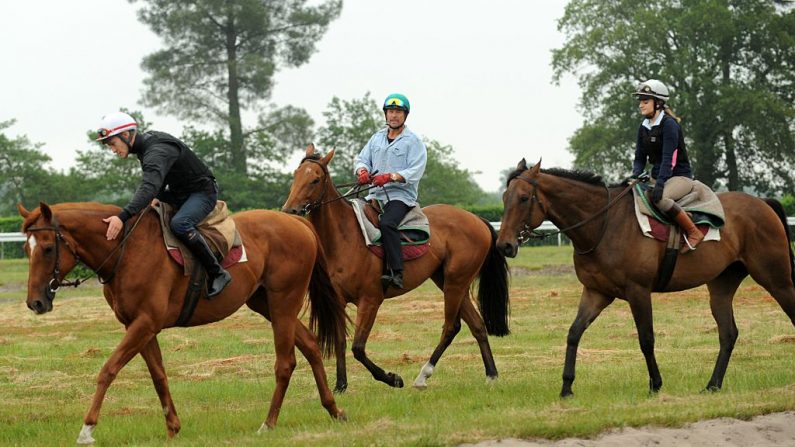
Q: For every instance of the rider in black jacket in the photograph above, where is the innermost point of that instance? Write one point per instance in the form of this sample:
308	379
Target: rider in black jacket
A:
173	174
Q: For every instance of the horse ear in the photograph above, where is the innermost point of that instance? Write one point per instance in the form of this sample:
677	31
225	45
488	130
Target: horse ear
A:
536	168
46	212
328	156
310	149
522	165
22	211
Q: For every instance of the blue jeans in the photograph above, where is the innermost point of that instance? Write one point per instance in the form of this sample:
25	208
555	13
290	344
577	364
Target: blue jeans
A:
191	211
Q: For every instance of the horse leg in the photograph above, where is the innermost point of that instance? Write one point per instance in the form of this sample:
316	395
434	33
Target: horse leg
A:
721	293
454	295
154	361
478	329
138	335
365	318
640	304
306	343
342	373
592	303
284	343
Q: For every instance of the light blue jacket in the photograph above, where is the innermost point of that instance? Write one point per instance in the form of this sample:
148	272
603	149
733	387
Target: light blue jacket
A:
406	155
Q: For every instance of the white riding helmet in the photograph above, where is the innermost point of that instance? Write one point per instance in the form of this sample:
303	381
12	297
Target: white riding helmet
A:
652	88
113	124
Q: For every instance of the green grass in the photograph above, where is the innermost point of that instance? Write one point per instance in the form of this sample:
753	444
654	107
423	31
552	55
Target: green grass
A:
221	374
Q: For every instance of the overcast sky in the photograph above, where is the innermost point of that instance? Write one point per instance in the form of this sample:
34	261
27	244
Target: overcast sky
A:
477	74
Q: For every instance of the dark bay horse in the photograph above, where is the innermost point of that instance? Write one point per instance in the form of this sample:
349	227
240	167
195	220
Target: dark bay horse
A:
461	249
614	260
146	290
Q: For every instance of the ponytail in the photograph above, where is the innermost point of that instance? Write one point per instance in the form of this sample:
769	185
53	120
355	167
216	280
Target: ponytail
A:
670	112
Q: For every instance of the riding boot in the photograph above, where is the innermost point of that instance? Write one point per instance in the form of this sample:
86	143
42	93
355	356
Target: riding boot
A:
217	276
692	234
393	278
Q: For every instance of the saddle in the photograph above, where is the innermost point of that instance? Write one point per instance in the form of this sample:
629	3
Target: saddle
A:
218	228
705	210
414	229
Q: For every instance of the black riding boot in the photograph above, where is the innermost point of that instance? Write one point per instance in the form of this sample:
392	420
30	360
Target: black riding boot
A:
217	276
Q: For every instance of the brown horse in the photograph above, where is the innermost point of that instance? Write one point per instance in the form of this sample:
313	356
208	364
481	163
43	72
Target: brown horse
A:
461	249
614	260
146	291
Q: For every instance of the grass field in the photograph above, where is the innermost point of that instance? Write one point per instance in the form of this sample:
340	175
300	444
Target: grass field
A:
221	374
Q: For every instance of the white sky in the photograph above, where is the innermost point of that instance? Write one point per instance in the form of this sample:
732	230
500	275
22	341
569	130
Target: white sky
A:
477	74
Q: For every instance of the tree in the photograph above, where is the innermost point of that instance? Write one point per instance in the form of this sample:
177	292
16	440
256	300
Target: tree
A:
350	124
732	79
220	58
23	177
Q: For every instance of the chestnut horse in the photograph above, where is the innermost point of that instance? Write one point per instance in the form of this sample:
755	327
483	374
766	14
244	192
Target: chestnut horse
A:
146	290
614	260
461	249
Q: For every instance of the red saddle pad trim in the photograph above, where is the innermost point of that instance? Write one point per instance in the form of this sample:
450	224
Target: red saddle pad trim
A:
409	251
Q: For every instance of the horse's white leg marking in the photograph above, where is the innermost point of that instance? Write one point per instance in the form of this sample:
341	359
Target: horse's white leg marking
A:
425	372
85	435
262	429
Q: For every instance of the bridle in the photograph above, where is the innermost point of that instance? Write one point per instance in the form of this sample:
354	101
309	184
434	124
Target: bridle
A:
356	189
527	233
56	283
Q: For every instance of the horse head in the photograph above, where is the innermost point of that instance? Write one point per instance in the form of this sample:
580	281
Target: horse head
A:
523	210
51	256
310	182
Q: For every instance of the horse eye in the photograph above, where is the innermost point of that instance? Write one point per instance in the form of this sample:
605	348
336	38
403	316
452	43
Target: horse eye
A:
316	181
47	250
524	199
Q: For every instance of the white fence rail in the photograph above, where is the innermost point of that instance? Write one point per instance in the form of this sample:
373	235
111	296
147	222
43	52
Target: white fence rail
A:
545	226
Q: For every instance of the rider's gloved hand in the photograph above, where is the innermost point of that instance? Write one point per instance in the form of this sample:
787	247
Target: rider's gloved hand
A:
657	192
363	177
382	179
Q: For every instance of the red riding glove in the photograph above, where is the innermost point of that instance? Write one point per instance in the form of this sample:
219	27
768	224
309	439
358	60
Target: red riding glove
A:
363	177
382	179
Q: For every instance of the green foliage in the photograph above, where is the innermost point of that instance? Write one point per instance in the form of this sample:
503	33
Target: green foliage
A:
220	57
351	123
445	182
788	202
732	79
349	126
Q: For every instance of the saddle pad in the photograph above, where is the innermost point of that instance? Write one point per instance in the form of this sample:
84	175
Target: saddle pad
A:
218	228
409	251
414	228
652	227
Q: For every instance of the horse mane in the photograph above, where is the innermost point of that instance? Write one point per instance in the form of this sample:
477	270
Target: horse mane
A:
572	174
80	207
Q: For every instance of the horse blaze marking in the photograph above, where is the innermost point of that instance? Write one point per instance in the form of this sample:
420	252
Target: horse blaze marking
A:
32	244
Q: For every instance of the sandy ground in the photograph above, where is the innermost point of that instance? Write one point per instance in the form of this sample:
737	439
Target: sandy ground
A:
777	429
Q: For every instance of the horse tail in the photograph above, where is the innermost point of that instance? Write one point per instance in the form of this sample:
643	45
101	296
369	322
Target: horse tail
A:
327	317
493	298
782	215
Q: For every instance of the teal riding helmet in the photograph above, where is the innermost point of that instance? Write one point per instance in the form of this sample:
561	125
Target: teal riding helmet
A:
397	101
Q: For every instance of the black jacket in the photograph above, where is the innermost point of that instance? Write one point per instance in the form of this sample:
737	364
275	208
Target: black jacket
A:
166	162
664	147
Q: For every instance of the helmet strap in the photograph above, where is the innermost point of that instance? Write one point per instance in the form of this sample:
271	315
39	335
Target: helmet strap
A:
127	141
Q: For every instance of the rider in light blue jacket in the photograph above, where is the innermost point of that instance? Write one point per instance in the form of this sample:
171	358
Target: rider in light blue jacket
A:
394	159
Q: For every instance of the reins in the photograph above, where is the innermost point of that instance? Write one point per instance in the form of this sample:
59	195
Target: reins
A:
56	283
527	233
355	190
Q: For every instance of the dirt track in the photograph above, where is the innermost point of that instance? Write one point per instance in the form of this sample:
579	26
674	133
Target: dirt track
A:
776	429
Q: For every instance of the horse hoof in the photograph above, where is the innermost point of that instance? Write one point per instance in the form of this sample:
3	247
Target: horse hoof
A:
566	394
341	416
710	389
491	380
85	437
339	389
395	380
420	386
263	429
